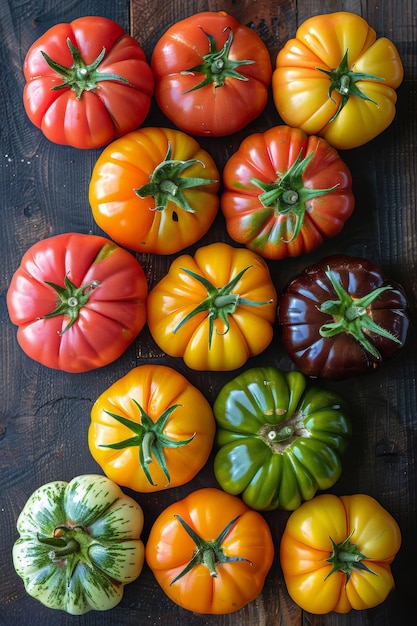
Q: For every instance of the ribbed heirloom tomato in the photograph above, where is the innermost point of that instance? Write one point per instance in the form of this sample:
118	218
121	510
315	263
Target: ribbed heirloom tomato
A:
210	552
79	544
212	74
336	79
87	82
151	429
336	553
216	309
155	190
341	317
285	192
78	301
279	439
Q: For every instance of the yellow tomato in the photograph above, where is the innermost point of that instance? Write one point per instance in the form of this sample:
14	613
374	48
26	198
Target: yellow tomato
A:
216	309
337	80
336	553
151	429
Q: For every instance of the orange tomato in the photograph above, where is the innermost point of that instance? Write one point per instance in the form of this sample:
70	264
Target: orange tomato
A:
210	552
155	190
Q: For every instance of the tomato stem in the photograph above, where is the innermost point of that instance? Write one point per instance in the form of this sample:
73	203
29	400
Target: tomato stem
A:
346	558
71	545
288	195
217	66
209	553
149	437
344	85
343	79
352	315
71	300
209	560
220	302
167	183
280	435
79	76
147	443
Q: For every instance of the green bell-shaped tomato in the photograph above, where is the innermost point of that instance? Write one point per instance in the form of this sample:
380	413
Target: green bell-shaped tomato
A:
279	439
79	544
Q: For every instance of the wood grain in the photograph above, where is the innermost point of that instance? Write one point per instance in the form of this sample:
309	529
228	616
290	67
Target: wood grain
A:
44	414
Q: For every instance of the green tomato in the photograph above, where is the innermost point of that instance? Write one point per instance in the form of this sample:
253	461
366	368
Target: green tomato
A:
279	439
79	544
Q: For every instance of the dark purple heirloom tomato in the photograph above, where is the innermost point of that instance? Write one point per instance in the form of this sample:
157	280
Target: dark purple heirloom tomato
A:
341	318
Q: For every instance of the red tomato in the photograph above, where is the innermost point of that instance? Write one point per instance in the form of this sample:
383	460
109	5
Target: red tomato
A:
78	301
285	192
87	83
212	74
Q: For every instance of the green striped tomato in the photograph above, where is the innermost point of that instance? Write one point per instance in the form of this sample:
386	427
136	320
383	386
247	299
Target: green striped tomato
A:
79	544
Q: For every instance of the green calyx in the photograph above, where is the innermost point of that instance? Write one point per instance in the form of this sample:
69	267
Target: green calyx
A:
352	316
166	183
220	302
343	80
150	438
71	300
288	195
69	545
79	76
209	553
346	558
217	66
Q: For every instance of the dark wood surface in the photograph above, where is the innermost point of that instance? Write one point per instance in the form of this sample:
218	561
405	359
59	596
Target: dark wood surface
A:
45	414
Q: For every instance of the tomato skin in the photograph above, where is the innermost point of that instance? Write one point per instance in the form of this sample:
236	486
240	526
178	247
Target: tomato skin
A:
301	89
106	324
210	110
306	544
106	108
79	544
208	511
267	157
156	388
205	344
279	440
126	165
342	355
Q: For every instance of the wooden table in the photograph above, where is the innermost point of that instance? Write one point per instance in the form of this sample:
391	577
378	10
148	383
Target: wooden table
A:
45	413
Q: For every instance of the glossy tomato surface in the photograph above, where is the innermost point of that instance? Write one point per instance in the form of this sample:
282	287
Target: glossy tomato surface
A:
235	552
341	317
336	79
214	309
87	82
78	301
151	429
212	74
336	553
155	190
285	192
278	438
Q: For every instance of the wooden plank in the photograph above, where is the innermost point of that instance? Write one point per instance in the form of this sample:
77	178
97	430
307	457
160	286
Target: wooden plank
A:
44	414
